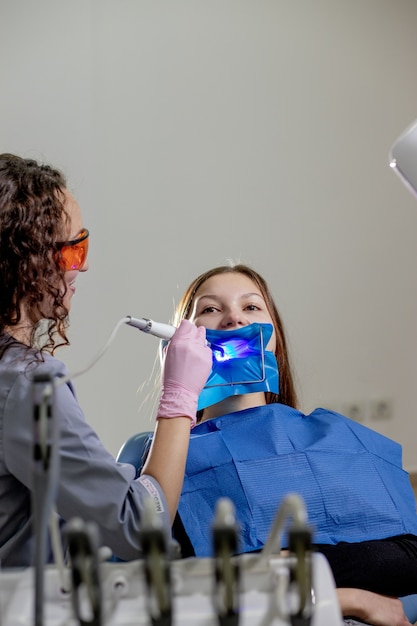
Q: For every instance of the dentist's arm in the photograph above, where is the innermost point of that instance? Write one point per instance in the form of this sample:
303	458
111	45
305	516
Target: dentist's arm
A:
186	368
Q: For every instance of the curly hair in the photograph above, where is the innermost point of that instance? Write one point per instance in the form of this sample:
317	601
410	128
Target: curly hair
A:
287	392
32	220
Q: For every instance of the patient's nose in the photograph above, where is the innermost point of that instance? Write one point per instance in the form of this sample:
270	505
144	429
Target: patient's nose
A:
234	318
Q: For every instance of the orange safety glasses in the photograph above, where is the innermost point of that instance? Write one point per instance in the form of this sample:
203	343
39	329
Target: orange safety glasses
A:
72	254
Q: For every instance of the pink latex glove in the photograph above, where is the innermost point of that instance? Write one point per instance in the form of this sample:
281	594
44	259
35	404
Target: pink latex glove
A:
187	365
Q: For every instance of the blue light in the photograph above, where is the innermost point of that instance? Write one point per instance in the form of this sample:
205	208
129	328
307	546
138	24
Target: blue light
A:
233	348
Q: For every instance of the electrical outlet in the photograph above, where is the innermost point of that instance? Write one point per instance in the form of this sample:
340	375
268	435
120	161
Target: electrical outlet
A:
381	409
355	409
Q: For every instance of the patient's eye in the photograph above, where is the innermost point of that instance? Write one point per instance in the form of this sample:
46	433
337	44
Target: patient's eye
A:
208	309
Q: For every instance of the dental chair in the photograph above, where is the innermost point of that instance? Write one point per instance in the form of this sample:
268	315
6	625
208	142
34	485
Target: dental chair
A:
134	452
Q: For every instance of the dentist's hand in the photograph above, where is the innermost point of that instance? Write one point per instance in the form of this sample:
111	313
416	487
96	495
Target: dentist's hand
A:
187	365
371	607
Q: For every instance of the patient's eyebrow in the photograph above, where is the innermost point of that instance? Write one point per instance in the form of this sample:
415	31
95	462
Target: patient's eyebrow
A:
218	297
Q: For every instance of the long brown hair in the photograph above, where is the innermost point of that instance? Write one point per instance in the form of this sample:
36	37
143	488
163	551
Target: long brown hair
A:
32	221
287	392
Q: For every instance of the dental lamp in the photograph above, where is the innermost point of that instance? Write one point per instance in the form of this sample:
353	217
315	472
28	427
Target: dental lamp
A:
403	158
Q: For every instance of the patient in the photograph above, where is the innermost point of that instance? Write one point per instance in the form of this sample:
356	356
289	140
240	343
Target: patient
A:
358	497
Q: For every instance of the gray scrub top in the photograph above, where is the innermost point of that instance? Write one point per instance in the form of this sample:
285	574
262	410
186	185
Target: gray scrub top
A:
91	485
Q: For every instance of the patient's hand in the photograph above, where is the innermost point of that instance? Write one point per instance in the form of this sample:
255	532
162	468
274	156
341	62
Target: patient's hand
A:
372	608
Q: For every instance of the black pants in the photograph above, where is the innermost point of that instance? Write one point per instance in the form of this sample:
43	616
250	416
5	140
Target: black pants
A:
386	566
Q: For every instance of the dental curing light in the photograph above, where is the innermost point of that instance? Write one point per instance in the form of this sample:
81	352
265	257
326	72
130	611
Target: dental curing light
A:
158	329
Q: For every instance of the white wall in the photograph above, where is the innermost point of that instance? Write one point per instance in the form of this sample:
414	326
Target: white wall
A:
197	131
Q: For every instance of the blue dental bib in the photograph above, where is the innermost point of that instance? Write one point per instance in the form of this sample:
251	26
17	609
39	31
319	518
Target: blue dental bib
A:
349	476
